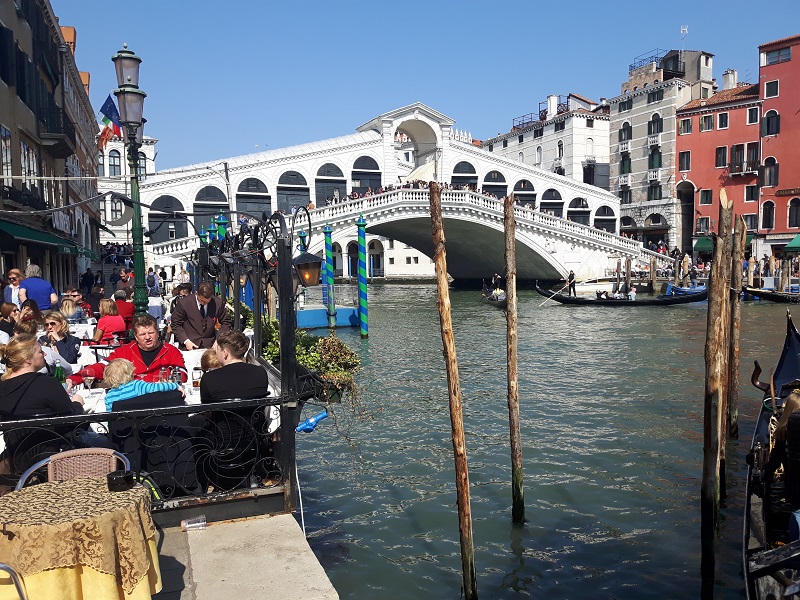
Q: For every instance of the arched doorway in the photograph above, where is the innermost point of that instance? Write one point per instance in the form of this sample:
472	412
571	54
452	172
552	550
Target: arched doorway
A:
552	204
209	200
252	196
464	176
628	227
604	218
336	255
495	183
366	175
162	227
330	185
425	143
656	229
578	211
352	259
292	191
685	191
375	266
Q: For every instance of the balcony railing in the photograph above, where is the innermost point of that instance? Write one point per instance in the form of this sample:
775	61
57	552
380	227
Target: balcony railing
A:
625	146
23	197
57	132
653	174
624	179
742	167
654	139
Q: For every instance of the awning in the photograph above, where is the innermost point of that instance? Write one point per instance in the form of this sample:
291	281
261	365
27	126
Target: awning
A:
749	239
83	251
26	234
794	245
704	244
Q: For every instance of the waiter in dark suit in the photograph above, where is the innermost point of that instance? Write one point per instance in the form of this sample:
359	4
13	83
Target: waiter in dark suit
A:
195	319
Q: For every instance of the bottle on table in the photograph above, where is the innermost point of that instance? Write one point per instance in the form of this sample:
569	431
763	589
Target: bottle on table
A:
162	375
197	375
58	372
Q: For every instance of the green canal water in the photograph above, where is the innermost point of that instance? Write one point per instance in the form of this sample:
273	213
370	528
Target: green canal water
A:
611	411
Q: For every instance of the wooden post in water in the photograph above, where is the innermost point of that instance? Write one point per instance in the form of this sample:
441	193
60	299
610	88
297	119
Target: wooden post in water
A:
751	270
627	274
772	267
653	274
784	266
686	263
619	274
676	265
737	266
454	389
716	381
517	490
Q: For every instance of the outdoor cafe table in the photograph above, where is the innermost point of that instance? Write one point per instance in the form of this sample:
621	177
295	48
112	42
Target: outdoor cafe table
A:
75	540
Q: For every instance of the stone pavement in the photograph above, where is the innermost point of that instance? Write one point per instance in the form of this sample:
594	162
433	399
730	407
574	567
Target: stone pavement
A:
243	559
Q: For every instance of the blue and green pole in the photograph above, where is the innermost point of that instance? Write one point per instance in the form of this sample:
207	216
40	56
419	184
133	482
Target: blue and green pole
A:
327	280
361	223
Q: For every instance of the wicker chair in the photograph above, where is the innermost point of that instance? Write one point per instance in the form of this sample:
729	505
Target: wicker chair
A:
82	462
16	580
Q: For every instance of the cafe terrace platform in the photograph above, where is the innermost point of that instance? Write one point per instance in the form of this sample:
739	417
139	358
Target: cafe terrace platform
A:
245	559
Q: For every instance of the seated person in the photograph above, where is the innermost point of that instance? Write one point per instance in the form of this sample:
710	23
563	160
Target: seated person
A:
110	323
125	309
25	391
50	354
235	378
632	294
618	295
93	300
70	310
603	295
118	375
146	352
209	362
59	338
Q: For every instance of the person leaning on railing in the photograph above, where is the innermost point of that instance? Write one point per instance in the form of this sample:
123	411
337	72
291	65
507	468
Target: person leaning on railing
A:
147	353
26	392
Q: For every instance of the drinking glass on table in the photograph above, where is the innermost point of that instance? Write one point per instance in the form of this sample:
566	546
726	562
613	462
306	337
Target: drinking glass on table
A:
88	380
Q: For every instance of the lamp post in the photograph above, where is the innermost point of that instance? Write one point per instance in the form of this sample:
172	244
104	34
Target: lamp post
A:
131	103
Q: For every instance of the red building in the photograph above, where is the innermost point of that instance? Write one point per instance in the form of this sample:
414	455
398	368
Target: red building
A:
779	88
718	146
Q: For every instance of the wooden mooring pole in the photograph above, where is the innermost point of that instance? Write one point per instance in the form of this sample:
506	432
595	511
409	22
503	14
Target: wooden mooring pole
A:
454	392
517	490
628	275
737	268
716	383
619	275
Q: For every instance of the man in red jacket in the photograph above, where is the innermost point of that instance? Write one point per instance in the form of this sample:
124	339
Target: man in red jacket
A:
147	353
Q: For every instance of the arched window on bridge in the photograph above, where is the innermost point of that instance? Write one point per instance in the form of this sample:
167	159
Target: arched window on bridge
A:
366	175
209	200
330	185
252	196
604	218
552	204
375	266
524	193
579	211
495	183
464	174
656	228
538	161
292	191
168	228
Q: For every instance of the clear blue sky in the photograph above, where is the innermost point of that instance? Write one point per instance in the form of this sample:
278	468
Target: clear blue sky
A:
226	78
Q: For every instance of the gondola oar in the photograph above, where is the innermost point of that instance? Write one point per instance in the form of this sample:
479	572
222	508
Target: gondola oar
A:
551	297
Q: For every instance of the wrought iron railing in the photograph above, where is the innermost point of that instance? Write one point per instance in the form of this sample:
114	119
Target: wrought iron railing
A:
740	167
190	453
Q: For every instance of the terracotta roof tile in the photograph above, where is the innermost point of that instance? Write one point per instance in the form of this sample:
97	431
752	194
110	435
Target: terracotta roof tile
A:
781	41
583	98
743	92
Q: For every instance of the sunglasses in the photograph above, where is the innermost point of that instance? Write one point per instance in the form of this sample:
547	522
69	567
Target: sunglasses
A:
52	323
12	278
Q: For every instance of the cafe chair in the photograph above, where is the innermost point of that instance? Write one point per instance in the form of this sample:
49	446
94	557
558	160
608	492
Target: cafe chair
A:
15	579
81	462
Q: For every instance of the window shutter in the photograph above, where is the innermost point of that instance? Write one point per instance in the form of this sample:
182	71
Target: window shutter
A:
777	124
775	172
763	127
761	176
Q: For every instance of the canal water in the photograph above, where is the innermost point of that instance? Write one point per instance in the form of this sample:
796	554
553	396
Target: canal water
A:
612	424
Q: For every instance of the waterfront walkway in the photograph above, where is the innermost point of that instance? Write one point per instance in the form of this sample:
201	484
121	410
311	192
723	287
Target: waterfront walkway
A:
243	559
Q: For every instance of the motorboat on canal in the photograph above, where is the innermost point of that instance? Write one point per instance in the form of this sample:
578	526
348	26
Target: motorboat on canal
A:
495	297
772	295
770	552
677	290
662	300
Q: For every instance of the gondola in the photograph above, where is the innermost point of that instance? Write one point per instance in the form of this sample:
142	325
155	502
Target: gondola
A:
773	296
770	558
657	301
676	290
496	298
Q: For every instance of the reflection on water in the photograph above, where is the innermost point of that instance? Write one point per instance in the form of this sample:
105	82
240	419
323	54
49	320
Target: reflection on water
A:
611	410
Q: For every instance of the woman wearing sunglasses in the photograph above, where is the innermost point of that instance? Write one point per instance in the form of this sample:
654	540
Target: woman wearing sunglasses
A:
59	338
9	315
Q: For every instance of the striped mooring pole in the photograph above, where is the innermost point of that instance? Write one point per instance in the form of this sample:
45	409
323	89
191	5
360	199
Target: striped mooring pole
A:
327	281
361	223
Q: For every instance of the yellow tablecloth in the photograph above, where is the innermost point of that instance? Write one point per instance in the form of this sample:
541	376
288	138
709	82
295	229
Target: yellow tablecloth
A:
76	540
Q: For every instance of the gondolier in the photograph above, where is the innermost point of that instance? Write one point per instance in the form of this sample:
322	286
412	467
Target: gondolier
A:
571	281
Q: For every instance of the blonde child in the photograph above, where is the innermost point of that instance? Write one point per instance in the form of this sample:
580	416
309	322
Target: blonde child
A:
119	376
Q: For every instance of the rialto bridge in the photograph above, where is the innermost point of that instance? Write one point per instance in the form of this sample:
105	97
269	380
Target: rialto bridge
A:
562	224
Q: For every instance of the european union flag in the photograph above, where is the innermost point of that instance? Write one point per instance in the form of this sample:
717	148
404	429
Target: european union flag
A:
110	112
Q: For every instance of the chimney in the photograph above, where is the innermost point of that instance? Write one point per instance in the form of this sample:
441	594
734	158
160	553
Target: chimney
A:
552	106
603	101
730	79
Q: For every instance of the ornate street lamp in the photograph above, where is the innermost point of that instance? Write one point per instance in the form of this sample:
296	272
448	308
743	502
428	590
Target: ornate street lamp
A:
222	226
212	231
131	104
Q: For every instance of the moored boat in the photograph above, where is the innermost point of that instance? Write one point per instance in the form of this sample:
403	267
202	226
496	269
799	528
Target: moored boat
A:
676	290
770	553
495	297
772	295
619	302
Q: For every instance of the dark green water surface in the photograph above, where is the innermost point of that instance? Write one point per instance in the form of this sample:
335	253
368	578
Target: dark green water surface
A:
611	410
